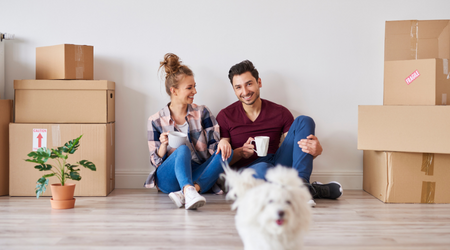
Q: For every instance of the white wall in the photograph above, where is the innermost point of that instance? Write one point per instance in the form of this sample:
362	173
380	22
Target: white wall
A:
318	58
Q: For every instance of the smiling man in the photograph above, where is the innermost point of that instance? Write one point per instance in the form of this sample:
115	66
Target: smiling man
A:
252	116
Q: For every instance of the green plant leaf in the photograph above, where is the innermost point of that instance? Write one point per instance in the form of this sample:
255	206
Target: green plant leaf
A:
72	167
72	146
48	175
43	167
41	186
75	176
40	156
58	154
87	164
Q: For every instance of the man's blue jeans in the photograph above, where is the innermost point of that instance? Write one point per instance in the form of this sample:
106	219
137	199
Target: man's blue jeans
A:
178	171
289	154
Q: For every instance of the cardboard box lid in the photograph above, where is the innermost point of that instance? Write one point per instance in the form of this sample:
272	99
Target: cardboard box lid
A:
417	39
64	84
422	129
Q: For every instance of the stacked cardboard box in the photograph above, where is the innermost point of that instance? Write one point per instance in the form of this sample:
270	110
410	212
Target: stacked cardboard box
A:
62	104
406	141
6	116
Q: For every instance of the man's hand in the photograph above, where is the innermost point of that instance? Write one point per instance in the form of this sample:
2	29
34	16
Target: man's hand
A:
224	147
311	145
247	148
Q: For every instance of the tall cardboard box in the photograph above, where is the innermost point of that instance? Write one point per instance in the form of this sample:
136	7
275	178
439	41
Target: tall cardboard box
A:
421	129
396	177
414	39
6	116
65	61
416	82
97	145
64	101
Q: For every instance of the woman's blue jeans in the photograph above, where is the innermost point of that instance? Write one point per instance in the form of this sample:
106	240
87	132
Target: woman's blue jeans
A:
289	154
178	171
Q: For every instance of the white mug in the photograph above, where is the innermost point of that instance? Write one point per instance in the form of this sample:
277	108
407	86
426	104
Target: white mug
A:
262	144
176	139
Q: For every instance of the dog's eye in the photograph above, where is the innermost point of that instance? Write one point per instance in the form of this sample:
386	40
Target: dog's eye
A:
288	202
270	201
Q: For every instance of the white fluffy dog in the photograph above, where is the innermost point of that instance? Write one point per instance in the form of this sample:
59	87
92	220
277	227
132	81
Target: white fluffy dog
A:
273	214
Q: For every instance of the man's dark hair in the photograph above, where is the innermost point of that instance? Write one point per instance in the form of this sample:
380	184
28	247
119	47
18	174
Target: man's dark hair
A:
241	68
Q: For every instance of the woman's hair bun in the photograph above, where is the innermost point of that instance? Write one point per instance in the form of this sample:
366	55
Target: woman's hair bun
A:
171	64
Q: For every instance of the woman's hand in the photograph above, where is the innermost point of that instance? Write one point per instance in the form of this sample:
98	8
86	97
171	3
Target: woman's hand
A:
224	147
164	138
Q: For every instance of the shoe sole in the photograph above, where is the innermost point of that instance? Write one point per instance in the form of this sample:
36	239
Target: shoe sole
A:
175	200
312	203
196	204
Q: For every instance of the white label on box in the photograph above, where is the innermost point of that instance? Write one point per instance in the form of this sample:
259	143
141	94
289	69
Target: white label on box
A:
39	138
445	66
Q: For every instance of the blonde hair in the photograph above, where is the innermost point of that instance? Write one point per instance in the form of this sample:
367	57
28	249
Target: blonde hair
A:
175	71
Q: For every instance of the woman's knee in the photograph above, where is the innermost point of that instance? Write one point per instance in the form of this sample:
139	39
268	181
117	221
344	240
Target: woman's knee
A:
183	149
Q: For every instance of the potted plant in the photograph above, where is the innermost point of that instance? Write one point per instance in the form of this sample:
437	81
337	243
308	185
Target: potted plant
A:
62	193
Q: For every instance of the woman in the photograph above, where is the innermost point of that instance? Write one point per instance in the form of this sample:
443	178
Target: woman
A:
193	168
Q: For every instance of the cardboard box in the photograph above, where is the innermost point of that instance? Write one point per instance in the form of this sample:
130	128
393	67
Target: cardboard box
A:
396	177
413	39
97	145
416	82
420	129
64	101
65	61
6	116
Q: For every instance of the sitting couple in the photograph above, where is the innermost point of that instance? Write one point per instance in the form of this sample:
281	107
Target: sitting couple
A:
194	168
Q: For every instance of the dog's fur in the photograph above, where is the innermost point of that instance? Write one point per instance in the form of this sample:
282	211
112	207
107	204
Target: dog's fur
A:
273	214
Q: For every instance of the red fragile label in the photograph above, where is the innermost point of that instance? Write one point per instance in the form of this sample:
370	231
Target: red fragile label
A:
412	77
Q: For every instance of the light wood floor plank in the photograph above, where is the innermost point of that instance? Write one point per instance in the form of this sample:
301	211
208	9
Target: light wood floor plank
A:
145	219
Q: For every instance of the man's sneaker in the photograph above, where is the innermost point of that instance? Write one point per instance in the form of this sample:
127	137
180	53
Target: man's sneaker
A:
177	198
193	199
311	190
332	190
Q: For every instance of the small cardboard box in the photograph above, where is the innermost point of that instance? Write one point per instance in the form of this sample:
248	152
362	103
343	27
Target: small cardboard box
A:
416	82
420	129
396	177
413	39
65	61
64	101
97	145
6	116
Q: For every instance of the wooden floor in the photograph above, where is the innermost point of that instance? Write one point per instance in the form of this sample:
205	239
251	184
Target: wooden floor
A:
144	219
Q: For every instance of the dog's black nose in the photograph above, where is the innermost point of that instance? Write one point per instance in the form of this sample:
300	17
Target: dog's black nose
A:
281	214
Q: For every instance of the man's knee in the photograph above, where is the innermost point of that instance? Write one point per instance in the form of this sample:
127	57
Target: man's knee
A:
303	119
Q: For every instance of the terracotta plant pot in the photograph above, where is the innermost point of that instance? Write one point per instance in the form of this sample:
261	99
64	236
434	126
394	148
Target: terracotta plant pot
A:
62	204
62	196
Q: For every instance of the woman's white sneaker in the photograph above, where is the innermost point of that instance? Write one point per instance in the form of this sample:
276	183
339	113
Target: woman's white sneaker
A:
193	199
177	198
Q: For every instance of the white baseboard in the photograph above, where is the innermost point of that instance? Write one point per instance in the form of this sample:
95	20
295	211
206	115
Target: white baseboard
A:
349	180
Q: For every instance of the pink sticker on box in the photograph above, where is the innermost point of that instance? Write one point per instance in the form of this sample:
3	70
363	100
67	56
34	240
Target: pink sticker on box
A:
412	77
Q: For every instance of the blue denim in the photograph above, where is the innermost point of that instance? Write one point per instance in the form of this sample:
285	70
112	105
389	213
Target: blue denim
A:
178	171
289	154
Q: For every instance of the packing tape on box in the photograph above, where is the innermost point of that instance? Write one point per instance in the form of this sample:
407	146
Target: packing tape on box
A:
427	163
79	62
445	67
414	37
428	191
56	136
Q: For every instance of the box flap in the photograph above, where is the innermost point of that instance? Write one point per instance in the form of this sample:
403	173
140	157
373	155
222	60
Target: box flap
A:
64	84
